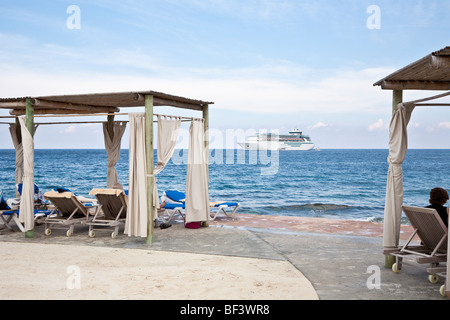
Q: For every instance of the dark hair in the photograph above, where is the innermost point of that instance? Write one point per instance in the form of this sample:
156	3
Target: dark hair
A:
438	196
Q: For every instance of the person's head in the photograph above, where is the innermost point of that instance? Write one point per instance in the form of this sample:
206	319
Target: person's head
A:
438	196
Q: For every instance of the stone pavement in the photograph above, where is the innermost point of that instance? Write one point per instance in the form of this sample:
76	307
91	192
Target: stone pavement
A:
339	265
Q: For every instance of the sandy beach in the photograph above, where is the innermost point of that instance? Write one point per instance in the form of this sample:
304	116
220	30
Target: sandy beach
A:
227	261
46	271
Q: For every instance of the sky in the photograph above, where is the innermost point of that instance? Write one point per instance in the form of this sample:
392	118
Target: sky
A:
266	64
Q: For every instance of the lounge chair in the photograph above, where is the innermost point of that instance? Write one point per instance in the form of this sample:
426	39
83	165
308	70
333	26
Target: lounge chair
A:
175	196
111	212
68	211
8	214
432	232
169	210
84	200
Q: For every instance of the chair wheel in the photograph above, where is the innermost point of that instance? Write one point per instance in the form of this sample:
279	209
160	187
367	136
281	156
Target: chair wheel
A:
91	234
395	268
68	233
433	278
48	231
442	291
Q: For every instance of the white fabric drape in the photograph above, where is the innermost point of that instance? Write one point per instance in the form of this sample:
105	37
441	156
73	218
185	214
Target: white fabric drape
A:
398	146
168	128
137	220
18	176
27	200
112	147
197	192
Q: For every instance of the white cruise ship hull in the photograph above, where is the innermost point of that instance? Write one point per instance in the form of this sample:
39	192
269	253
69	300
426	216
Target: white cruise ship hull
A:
274	146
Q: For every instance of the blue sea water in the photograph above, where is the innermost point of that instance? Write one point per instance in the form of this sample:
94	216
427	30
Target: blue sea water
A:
340	184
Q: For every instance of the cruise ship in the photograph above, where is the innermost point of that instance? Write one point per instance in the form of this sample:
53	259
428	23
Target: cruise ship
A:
295	140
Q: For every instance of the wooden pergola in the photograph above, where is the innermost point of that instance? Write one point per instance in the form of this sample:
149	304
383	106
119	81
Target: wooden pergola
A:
109	105
432	72
429	73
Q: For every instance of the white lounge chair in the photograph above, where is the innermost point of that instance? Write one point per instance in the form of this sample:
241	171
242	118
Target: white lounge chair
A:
432	232
111	212
68	212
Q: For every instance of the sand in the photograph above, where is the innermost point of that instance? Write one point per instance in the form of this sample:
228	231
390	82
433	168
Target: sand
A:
73	270
51	271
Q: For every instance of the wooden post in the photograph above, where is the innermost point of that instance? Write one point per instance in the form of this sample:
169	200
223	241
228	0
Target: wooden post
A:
18	131
110	126
30	127
206	128
397	97
149	161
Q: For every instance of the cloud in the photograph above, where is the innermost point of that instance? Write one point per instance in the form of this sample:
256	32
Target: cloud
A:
318	125
261	90
70	129
445	125
75	128
378	126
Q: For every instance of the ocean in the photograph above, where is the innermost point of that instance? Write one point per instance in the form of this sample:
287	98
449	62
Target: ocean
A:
337	184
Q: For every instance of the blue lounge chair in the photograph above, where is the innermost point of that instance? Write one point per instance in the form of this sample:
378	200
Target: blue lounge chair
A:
38	196
178	197
170	209
12	213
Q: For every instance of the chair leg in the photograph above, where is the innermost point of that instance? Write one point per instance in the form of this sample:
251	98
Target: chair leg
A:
18	223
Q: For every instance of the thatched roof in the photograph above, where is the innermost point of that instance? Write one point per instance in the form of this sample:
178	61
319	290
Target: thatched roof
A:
97	102
429	73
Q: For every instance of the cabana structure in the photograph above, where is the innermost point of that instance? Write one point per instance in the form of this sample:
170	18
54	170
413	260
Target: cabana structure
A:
429	73
142	183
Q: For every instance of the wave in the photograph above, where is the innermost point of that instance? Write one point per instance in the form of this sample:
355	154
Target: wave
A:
311	206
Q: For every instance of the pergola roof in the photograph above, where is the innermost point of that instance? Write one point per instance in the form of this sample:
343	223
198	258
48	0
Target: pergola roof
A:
97	102
429	73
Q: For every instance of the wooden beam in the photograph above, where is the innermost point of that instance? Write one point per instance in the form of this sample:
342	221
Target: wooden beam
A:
439	62
18	112
13	105
183	105
44	104
149	161
432	105
415	85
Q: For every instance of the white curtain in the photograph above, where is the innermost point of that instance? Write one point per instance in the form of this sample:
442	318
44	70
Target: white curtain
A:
398	146
168	128
137	220
18	176
27	201
112	147
19	155
197	192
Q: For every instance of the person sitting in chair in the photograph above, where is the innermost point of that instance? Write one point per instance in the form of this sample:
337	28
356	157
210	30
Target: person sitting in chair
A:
438	198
